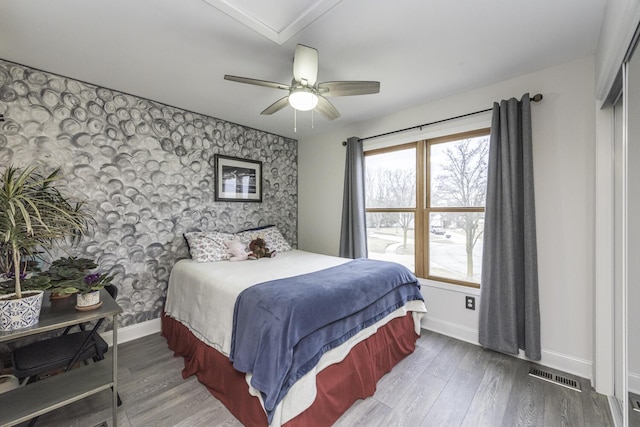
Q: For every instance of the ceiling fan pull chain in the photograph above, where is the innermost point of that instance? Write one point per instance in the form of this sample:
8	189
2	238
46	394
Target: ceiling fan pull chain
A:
295	120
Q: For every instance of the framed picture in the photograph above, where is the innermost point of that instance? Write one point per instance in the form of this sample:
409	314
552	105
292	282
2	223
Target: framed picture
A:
238	180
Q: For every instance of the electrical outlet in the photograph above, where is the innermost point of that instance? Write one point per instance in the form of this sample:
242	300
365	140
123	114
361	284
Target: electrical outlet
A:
470	303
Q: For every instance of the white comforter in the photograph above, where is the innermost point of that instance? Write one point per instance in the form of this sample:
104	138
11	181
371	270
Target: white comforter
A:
202	297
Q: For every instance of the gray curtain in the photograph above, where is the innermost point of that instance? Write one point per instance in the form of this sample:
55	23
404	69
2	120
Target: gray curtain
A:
509	303
353	235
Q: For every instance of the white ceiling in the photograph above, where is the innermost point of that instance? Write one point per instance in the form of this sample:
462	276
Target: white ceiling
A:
177	51
278	23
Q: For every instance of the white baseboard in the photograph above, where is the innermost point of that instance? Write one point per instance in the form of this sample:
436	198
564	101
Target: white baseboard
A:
453	330
551	359
130	333
565	363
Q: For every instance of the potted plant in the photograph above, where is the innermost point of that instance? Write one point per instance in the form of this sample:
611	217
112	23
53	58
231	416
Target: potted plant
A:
73	275
66	275
88	297
34	217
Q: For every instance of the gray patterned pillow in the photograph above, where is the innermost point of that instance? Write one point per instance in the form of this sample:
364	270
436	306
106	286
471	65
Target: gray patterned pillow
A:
207	246
271	235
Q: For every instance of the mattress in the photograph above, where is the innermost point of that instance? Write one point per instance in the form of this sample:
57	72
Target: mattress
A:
201	296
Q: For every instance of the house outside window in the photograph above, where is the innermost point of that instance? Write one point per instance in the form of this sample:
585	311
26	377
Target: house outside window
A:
425	205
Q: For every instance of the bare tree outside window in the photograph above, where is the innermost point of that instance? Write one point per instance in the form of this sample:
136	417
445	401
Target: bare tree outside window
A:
459	180
425	205
390	192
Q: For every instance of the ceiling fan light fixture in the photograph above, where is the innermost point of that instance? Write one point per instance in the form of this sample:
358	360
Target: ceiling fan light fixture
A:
303	99
304	94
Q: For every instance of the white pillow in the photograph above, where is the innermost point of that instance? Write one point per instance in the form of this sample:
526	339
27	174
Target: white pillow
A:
271	235
207	246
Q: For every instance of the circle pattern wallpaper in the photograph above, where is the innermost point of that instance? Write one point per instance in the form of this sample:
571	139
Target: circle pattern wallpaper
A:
146	172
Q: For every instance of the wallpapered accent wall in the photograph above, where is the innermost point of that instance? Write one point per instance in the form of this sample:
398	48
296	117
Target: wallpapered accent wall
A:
145	169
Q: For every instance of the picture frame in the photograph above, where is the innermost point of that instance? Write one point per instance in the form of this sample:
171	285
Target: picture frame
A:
237	180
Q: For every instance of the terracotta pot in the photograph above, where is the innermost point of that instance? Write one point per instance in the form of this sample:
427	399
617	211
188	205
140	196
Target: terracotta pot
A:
59	296
20	313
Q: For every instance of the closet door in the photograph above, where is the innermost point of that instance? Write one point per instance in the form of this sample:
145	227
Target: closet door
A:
632	238
619	275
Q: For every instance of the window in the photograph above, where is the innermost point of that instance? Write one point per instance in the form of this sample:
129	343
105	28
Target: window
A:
425	205
390	198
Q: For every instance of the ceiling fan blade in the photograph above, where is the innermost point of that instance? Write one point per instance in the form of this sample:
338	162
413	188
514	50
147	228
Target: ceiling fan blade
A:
326	108
256	82
305	64
276	106
348	88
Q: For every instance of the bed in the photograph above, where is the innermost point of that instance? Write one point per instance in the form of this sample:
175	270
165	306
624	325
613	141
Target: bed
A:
344	358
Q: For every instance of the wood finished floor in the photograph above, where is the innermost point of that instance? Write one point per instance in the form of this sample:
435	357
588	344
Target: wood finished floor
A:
446	382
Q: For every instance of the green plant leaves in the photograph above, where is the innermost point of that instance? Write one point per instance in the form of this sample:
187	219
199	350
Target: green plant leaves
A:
34	216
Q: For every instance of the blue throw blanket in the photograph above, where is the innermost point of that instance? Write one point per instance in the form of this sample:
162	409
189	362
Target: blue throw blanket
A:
281	328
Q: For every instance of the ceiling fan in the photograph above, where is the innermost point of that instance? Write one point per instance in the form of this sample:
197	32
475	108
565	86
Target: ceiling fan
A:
304	93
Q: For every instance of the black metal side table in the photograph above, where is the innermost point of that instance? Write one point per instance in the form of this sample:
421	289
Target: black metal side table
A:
43	396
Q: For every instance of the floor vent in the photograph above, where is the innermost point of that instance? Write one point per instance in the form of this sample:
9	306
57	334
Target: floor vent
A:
635	405
555	379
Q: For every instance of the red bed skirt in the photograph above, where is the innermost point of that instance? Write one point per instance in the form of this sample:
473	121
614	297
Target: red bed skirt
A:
338	385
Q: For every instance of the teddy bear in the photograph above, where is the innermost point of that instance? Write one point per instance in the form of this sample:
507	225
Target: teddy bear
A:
258	248
236	249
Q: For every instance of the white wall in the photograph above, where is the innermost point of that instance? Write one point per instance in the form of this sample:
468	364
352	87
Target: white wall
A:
564	163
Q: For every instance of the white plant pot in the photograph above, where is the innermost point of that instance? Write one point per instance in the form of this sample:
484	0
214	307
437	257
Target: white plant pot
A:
8	383
20	313
88	300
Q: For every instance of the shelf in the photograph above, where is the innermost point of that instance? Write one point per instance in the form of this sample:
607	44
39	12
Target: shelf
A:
43	396
57	314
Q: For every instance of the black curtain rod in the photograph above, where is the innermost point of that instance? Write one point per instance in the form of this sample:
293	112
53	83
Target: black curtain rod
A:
535	98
